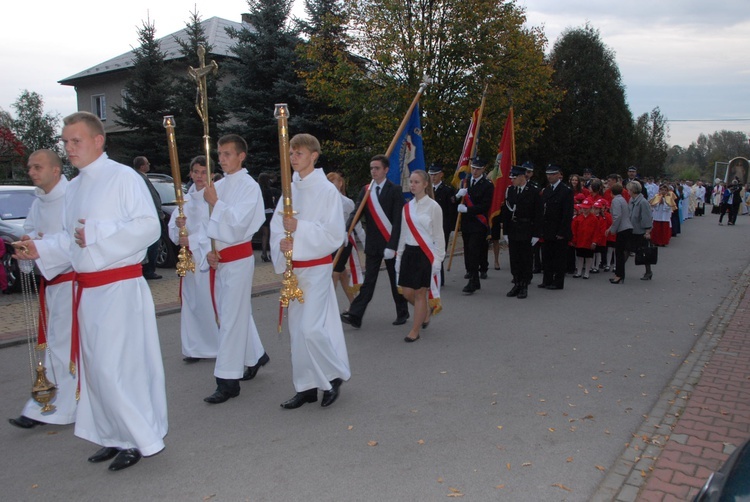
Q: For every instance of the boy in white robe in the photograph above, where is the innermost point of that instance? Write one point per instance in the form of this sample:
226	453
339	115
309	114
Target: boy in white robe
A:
198	330
46	217
319	356
109	222
237	214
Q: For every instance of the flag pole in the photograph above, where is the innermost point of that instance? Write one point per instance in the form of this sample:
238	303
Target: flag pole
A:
427	81
473	150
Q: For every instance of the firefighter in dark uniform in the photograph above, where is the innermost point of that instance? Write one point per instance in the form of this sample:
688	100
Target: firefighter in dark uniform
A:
521	217
557	198
537	254
476	199
445	196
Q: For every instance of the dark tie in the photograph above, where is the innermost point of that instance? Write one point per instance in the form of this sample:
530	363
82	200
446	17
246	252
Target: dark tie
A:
473	182
377	192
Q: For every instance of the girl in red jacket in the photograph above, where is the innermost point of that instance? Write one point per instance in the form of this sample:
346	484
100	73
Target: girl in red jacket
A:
585	229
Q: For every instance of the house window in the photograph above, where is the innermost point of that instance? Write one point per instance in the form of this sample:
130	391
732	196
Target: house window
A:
99	106
123	95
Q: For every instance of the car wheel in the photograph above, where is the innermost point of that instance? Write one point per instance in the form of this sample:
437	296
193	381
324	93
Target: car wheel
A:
165	256
12	272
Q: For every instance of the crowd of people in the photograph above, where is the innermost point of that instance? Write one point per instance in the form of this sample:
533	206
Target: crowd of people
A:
94	232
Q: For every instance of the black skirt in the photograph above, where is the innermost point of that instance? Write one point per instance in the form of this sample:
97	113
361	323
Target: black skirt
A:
416	269
584	252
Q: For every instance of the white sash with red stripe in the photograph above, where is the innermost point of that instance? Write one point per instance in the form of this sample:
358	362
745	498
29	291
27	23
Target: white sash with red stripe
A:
426	244
376	211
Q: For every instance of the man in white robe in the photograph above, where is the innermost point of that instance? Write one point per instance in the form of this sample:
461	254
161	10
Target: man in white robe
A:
198	330
109	222
319	356
46	217
237	214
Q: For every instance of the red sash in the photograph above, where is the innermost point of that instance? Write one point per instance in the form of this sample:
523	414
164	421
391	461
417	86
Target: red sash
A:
312	263
378	215
94	280
434	296
226	255
41	337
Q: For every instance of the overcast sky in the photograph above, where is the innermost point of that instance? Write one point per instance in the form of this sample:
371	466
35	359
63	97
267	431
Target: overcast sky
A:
687	57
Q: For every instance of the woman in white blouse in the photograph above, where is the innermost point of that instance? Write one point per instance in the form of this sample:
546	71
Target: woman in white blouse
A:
421	249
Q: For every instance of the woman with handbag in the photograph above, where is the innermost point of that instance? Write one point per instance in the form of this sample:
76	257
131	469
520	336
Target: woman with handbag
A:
642	221
623	229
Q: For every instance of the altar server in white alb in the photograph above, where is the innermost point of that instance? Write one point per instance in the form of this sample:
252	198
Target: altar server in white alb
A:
237	214
319	357
55	295
198	330
108	224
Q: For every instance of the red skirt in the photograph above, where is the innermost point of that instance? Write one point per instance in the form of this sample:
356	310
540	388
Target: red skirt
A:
661	233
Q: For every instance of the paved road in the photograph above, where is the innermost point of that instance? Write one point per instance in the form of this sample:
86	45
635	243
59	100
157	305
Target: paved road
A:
502	399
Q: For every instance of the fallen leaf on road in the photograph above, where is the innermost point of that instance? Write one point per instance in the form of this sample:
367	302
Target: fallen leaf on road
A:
600	468
372	443
562	487
595	378
454	490
541	413
643	473
439	480
526	464
508	465
209	497
350	427
500	487
421	441
551	429
569	459
500	427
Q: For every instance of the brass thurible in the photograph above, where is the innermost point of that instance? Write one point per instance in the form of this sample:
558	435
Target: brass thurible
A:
185	261
290	290
43	391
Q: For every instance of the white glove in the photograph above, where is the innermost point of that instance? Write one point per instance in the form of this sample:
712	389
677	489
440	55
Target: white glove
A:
462	208
398	266
436	265
462	192
534	240
389	254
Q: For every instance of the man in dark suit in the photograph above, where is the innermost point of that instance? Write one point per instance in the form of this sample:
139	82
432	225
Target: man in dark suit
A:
557	198
445	196
476	199
521	217
380	244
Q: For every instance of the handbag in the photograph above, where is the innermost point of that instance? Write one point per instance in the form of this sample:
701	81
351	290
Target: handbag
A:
647	255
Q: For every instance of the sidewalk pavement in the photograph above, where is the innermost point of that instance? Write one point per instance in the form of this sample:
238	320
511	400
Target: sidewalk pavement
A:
701	417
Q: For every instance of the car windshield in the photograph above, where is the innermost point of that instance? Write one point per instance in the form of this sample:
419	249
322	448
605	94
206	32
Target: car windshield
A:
166	192
15	205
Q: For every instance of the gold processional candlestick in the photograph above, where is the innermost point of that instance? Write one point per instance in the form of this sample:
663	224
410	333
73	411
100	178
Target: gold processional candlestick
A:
201	105
289	286
185	261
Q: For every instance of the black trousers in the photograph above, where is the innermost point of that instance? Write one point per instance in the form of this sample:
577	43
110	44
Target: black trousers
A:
622	249
152	252
366	291
475	253
554	262
521	256
733	210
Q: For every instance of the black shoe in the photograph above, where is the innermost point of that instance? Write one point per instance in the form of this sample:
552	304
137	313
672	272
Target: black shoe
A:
24	422
125	459
469	288
542	285
152	277
251	371
523	292
514	291
401	320
408	339
619	280
225	390
104	454
300	398
191	360
329	396
647	276
352	320
483	275
467	275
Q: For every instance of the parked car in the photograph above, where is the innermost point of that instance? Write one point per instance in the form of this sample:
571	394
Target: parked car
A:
167	254
732	481
15	203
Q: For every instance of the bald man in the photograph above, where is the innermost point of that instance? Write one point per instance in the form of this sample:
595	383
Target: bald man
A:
46	218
